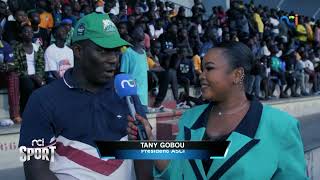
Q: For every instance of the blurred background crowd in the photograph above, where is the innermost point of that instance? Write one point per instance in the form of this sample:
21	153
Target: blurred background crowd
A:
35	46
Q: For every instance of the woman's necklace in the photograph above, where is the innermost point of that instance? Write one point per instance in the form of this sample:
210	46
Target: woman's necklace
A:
241	107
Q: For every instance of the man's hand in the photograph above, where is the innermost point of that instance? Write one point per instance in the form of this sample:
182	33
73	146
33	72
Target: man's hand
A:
7	67
40	82
2	67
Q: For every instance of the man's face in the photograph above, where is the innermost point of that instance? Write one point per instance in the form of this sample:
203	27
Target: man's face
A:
138	34
42	4
77	7
123	29
68	27
183	52
98	64
156	48
132	20
27	33
21	16
61	33
3	8
184	33
174	29
35	19
67	10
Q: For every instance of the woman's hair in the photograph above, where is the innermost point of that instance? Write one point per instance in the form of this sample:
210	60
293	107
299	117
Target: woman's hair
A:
238	55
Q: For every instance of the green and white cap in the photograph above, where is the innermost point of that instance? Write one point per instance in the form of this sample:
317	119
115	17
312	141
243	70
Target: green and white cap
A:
100	29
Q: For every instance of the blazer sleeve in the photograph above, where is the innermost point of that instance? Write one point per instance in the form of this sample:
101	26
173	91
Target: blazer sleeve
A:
292	164
174	166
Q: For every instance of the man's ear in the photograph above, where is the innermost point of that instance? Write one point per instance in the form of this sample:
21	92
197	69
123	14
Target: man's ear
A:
77	51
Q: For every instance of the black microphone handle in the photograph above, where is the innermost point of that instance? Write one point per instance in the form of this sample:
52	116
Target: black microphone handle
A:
142	134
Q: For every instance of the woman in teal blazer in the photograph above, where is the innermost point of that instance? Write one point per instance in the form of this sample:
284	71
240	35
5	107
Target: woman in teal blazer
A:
265	142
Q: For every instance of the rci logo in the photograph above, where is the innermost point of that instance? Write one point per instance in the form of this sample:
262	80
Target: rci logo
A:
38	153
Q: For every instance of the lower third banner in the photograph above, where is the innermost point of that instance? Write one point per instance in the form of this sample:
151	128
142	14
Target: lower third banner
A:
162	149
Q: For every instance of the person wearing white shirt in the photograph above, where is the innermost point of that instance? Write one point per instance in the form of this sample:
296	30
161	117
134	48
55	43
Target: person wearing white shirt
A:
311	75
58	57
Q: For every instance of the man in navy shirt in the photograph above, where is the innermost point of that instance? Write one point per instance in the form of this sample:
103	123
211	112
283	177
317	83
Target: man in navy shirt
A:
74	111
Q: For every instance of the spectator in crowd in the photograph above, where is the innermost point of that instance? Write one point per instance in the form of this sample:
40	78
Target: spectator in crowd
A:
29	62
9	79
265	28
274	22
158	29
134	62
3	14
309	30
40	35
58	57
123	30
210	39
197	63
163	76
67	23
183	40
12	28
85	10
169	40
131	22
315	75
46	18
299	75
310	74
13	7
301	31
185	71
317	34
278	70
290	60
56	11
109	5
67	13
198	8
258	21
284	29
221	15
76	10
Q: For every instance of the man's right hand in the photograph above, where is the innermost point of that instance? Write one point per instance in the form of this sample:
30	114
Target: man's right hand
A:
133	129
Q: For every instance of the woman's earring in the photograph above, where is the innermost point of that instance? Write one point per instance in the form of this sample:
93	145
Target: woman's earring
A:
240	81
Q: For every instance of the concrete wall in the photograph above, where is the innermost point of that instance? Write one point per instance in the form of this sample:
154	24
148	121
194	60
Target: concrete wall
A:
313	163
4	108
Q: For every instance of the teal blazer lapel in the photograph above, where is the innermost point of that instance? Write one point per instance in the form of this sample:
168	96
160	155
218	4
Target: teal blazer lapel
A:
240	145
242	140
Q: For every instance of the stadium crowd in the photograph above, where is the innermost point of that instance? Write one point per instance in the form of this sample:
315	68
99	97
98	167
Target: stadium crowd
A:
35	46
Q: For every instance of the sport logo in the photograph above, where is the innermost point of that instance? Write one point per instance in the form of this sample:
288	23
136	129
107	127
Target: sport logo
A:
41	152
81	29
130	83
108	25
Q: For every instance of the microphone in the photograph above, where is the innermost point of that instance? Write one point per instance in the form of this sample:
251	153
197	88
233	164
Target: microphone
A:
126	87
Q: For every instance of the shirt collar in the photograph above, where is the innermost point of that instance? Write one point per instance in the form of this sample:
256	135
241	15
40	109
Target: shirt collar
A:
71	83
249	124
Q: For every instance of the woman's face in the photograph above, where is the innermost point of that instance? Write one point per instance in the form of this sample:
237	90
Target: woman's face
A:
217	79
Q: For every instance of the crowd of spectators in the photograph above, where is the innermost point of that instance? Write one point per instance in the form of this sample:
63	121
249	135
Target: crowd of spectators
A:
35	47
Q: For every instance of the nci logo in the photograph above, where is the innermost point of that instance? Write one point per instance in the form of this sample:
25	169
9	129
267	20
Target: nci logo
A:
39	153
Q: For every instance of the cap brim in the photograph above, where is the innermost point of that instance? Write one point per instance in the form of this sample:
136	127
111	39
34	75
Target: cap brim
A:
110	42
